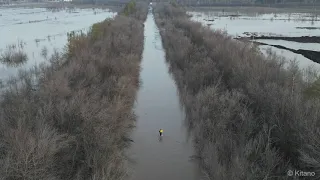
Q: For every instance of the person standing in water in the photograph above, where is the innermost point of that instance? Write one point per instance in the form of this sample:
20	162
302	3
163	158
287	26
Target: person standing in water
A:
161	132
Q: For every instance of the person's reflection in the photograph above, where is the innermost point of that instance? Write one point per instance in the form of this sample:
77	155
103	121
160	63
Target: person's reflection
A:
160	138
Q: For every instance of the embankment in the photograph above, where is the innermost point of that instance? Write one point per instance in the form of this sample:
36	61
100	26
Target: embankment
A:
301	39
250	117
71	119
312	55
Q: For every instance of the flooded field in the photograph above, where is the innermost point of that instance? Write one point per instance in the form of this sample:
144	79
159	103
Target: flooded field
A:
278	24
39	32
240	24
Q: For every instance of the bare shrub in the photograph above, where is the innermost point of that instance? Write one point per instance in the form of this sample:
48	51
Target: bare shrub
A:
71	119
14	55
250	115
44	52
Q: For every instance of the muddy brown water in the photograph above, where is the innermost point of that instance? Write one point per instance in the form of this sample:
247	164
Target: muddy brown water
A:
157	106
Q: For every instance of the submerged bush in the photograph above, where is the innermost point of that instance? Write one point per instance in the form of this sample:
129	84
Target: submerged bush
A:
249	114
13	56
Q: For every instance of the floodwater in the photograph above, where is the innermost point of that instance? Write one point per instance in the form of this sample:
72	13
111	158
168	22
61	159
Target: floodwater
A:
270	24
262	24
40	28
154	157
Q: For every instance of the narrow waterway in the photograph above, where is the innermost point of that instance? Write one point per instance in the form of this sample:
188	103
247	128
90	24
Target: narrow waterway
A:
157	106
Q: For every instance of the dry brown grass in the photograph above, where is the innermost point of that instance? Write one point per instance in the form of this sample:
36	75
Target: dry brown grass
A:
250	116
71	120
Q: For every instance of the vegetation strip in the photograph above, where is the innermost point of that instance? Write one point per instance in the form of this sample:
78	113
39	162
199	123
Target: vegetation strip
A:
71	119
251	118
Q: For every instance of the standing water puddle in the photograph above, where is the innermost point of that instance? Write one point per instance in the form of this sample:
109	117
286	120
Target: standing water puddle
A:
168	157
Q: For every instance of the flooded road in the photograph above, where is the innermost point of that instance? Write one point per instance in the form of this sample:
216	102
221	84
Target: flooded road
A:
168	157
